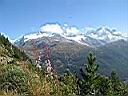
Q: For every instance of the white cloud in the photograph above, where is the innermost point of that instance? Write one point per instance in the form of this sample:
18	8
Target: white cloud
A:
56	28
72	30
89	28
65	25
125	34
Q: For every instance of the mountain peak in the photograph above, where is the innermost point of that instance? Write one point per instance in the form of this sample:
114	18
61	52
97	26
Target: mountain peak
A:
100	36
105	34
104	29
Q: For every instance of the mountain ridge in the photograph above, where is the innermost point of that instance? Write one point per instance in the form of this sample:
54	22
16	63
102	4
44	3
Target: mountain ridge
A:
98	37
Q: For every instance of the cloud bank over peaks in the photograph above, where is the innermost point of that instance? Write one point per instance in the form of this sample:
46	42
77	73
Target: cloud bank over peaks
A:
54	27
60	29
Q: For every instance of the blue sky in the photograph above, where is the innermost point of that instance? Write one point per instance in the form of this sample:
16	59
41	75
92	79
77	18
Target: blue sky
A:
19	17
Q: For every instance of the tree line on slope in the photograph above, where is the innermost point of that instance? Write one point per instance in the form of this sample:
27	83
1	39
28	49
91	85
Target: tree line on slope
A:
9	50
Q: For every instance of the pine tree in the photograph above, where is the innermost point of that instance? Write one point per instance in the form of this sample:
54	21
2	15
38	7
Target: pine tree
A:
117	86
69	84
103	86
89	75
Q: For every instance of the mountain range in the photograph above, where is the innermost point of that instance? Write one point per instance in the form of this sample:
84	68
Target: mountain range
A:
90	37
69	47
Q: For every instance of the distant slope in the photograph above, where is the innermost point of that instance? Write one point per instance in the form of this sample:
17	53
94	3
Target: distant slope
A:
114	56
64	53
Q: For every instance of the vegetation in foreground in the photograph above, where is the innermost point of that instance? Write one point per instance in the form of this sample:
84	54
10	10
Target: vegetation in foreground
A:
19	77
27	80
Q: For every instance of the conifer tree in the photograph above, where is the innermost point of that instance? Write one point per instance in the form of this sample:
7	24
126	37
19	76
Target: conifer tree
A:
89	75
103	86
117	86
69	84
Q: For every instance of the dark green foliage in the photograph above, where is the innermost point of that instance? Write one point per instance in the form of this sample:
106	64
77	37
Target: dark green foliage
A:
97	85
103	86
4	41
69	84
11	50
90	77
18	54
14	79
117	86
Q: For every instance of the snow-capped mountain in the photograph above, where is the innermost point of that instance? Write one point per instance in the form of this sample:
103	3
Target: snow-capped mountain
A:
92	37
105	34
56	30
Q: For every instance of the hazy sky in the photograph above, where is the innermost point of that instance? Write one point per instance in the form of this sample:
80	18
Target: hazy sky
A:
19	17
